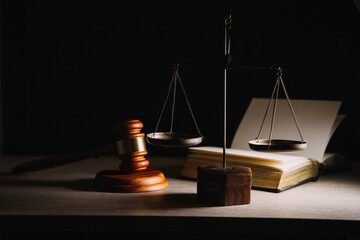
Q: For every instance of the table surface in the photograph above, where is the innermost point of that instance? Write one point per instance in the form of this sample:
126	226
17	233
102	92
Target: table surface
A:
65	195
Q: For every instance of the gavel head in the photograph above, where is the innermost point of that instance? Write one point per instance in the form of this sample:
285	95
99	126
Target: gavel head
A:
125	128
131	145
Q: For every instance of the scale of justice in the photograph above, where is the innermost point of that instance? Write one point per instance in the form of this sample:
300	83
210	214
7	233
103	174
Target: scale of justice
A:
179	139
226	185
220	185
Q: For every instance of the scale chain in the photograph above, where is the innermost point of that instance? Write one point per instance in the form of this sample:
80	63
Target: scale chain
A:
267	110
276	92
173	103
187	102
166	100
291	108
173	83
277	84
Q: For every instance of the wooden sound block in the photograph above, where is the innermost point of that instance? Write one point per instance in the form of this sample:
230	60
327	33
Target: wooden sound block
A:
224	186
115	180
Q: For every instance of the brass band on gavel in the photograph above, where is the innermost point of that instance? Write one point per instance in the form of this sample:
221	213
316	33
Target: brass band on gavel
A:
130	145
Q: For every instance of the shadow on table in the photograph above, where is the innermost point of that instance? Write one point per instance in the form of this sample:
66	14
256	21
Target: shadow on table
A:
158	199
9	180
169	201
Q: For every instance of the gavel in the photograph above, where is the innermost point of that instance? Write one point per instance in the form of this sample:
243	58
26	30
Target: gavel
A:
132	174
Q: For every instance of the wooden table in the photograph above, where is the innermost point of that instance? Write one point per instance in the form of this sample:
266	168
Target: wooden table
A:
62	200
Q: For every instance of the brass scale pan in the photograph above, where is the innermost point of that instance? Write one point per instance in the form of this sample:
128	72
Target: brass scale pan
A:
277	145
172	138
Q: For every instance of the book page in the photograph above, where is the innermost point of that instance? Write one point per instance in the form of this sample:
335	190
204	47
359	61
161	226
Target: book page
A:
338	120
316	119
274	157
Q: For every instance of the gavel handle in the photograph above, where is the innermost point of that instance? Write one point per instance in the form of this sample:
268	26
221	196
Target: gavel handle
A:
59	160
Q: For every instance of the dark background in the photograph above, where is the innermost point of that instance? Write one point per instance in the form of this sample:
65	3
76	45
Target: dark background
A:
72	69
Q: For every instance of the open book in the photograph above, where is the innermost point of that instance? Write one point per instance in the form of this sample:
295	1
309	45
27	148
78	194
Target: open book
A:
276	172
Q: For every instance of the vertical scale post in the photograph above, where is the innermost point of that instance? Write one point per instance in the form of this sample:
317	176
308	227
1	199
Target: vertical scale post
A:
226	185
224	140
227	62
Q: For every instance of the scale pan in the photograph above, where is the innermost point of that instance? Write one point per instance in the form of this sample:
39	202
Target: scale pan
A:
174	139
277	145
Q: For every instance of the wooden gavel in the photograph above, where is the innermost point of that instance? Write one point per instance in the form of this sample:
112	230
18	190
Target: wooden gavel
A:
132	175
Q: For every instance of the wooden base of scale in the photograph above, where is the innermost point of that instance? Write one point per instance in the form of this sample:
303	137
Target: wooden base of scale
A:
224	186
